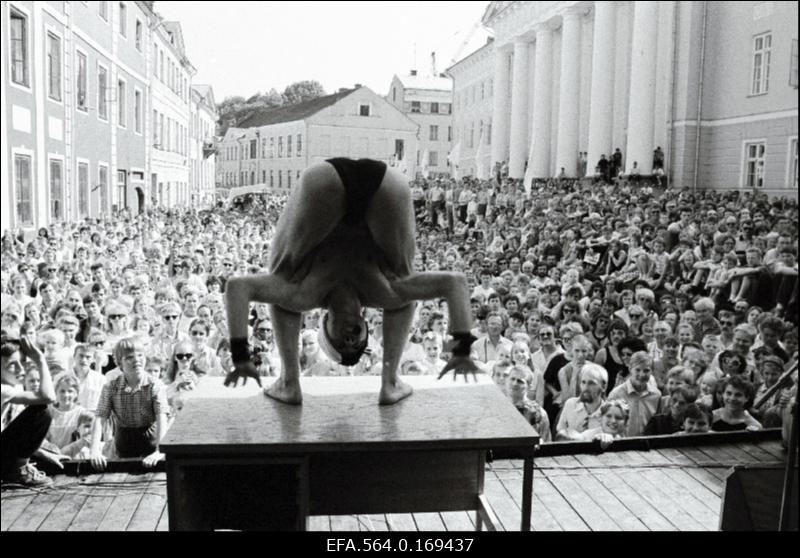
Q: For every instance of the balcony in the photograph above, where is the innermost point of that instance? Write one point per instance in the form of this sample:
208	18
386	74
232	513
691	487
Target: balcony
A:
209	148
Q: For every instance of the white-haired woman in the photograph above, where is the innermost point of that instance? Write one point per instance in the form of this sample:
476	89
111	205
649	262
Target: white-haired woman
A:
313	361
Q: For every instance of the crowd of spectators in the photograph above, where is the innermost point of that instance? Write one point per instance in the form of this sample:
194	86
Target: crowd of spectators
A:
601	311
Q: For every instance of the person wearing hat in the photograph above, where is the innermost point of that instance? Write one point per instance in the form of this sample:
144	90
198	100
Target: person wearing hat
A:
345	241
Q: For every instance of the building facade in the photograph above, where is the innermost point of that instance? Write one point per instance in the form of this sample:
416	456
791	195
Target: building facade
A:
472	111
202	148
77	83
713	84
428	101
272	147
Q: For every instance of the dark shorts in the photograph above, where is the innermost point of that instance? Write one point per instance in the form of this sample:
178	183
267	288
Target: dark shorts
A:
361	180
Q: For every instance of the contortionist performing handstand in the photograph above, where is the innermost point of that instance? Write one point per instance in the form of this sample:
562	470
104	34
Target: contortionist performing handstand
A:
345	241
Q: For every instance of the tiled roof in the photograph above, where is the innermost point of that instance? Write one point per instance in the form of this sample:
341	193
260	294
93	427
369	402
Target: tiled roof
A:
426	82
291	113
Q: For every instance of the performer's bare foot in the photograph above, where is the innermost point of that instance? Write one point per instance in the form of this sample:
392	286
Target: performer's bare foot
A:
393	391
288	392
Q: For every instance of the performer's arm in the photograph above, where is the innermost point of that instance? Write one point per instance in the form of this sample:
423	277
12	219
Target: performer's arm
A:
440	284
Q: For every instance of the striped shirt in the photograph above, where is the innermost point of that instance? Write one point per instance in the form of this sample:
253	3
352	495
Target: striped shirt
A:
133	408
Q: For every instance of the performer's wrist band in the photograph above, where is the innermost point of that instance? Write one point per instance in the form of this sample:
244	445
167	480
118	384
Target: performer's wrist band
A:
240	351
464	341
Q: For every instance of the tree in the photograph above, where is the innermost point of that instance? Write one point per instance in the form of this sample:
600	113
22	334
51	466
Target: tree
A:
301	91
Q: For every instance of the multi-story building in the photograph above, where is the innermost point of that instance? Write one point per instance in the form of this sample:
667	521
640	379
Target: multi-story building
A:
472	111
202	148
272	147
428	101
79	89
713	84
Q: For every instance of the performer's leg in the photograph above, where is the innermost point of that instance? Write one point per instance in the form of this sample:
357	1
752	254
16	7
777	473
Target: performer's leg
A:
390	219
315	207
287	332
396	324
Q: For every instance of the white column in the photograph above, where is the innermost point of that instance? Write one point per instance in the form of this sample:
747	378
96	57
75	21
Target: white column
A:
643	87
519	110
602	92
568	102
500	107
539	157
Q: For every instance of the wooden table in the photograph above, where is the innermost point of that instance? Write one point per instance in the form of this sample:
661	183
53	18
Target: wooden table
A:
239	460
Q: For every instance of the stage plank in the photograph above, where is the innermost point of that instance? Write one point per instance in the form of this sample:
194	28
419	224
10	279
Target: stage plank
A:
660	500
703	493
429	522
125	504
775	448
723	455
14	503
683	498
704	477
652	518
541	519
163	522
344	523
588	460
400	522
41	506
96	504
319	523
458	521
559	506
673	455
62	515
508	513
375	522
592	514
758	453
152	504
610	504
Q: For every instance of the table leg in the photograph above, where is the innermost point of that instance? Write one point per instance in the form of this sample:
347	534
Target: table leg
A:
527	493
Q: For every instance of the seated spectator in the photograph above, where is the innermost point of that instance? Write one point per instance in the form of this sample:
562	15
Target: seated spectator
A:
639	393
583	412
139	406
23	435
517	386
732	416
614	417
521	356
696	419
670	419
568	376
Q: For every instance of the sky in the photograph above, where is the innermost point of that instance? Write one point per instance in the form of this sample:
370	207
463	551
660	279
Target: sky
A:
241	48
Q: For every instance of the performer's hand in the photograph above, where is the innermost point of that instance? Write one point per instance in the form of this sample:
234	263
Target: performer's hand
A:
461	365
242	370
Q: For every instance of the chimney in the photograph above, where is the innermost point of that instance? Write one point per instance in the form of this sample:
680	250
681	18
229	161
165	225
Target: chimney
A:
341	89
413	72
357	85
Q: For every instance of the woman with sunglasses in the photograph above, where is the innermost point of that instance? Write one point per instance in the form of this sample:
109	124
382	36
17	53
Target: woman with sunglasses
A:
117	322
205	358
181	375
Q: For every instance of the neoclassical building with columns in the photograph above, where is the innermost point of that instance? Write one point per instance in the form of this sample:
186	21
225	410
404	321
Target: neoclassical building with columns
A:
713	84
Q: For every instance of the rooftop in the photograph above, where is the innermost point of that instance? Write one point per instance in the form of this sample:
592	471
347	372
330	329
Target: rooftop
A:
426	82
291	113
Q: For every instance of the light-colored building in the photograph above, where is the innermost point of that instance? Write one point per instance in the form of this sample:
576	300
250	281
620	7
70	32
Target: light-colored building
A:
75	92
81	86
428	101
472	109
272	147
714	84
171	113
202	148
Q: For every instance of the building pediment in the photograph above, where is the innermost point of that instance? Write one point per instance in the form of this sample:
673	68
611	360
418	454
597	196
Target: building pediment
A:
493	10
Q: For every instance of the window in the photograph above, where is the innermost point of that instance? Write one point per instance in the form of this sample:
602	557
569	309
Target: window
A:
161	65
415	106
434	108
264	150
793	164
288	146
102	93
123	19
253	149
754	164
363	110
280	146
271	148
22	189
83	190
81	100
483	91
762	45
434	133
138	35
299	144
56	190
102	10
54	66
472	135
162	143
102	186
280	179
19	48
449	133
137	114
793	65
122	119
263	177
271	179
122	179
156	139
433	159
489	133
288	179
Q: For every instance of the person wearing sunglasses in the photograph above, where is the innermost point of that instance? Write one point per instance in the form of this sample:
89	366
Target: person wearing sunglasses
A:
163	342
205	358
346	241
117	319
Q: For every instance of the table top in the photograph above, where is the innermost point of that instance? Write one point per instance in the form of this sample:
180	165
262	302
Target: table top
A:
342	414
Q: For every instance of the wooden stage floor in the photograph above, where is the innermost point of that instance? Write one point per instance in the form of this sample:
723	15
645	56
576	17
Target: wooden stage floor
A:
676	489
